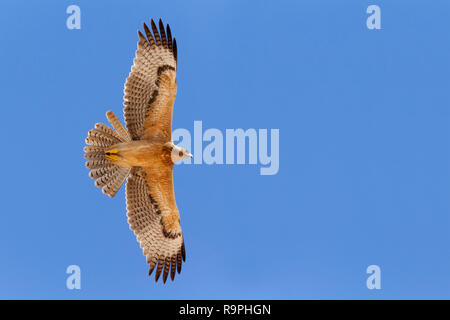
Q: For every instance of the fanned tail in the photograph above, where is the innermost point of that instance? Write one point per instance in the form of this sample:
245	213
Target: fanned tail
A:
108	175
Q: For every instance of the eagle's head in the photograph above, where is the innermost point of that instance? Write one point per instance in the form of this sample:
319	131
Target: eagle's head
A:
178	153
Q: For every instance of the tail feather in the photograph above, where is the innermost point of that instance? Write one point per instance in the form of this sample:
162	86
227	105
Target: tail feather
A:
118	126
100	139
107	130
100	172
107	178
108	175
97	164
116	182
93	149
94	155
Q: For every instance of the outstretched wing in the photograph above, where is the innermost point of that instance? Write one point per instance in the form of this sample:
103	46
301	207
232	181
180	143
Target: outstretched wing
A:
150	89
154	218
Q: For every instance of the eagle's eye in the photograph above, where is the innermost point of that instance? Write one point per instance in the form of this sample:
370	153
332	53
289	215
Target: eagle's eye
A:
180	153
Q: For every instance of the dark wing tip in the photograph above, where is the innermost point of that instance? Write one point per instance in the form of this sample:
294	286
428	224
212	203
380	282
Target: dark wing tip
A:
155	32
151	270
159	37
141	36
158	270
169	38
148	33
172	267
166	269
183	252
175	49
162	32
179	262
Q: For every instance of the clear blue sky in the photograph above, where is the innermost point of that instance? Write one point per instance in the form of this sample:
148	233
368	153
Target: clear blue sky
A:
364	119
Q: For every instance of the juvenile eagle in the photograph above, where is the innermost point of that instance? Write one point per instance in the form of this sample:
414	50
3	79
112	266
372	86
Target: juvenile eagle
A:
143	153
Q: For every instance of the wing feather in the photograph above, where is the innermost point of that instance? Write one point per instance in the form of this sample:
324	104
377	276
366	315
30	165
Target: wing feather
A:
155	32
169	38
154	218
149	35
174	50
150	89
163	33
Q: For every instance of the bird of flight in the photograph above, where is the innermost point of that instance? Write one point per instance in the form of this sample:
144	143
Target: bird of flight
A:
143	153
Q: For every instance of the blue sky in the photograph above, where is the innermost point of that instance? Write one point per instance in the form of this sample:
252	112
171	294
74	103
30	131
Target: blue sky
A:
364	149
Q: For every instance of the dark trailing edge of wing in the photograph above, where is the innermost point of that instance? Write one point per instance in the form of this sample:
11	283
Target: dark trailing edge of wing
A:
159	37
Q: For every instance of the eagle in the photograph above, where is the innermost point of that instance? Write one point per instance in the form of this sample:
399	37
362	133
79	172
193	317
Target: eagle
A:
143	153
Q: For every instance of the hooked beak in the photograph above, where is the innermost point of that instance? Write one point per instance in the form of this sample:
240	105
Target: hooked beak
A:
190	155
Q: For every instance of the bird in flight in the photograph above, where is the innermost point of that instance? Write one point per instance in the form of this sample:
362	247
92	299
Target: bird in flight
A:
143	153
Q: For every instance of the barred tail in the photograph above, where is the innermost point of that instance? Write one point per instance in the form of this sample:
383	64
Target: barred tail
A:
108	175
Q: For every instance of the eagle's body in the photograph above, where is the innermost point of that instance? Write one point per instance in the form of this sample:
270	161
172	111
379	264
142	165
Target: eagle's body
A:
143	153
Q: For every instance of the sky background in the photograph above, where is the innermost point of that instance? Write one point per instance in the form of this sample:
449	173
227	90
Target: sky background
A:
364	172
